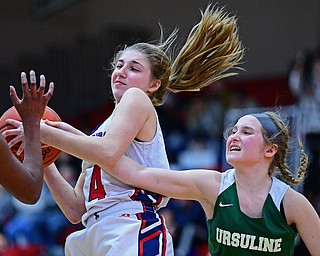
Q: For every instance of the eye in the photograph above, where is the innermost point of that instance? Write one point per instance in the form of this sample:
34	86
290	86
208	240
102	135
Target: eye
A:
119	65
134	69
232	131
247	132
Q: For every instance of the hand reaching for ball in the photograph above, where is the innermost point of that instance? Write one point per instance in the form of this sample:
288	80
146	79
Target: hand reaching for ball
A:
27	113
13	132
32	98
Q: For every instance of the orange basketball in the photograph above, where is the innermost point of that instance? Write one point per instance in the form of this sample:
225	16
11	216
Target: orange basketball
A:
49	154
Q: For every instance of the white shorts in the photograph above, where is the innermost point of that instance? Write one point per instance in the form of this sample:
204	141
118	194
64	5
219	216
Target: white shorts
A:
126	234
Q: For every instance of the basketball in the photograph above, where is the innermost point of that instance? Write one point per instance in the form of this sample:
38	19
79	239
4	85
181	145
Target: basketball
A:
49	154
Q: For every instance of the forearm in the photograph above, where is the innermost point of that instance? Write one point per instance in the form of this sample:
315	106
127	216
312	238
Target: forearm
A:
69	199
32	151
186	185
88	148
31	175
161	181
12	172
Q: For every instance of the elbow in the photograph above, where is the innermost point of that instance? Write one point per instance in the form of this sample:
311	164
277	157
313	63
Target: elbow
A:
107	161
74	219
35	199
31	198
31	194
74	214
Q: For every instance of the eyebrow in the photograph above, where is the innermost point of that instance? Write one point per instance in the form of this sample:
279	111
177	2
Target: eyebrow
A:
133	61
243	127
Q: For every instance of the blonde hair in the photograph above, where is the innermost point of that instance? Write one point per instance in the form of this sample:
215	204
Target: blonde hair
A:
212	48
281	139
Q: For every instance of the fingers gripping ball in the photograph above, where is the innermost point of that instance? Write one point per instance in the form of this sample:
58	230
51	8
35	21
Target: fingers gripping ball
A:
49	154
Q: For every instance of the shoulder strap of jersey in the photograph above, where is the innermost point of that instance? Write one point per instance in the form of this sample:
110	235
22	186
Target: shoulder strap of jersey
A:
277	191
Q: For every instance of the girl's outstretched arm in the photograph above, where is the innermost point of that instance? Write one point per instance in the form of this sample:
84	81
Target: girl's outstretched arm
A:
200	185
69	199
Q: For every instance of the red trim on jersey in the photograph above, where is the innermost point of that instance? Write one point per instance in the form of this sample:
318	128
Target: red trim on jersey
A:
164	250
163	231
159	200
147	239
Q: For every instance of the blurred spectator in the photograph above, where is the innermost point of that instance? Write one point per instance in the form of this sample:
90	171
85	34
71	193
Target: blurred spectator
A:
38	229
297	75
168	215
6	207
35	226
175	143
69	160
198	154
187	220
69	173
306	87
3	244
199	119
304	83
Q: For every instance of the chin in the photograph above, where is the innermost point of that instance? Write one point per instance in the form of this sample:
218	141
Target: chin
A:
231	160
117	97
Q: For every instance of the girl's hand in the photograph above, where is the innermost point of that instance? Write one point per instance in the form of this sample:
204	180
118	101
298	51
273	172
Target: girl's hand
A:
63	126
34	100
18	133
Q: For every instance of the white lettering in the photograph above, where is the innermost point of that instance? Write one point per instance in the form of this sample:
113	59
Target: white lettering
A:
277	245
235	237
218	235
268	245
252	246
246	241
226	237
260	244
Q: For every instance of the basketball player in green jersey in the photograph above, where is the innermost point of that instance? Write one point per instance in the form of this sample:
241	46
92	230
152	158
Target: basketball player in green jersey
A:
249	211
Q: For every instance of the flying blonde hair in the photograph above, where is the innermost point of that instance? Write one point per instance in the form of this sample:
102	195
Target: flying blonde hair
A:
211	52
212	48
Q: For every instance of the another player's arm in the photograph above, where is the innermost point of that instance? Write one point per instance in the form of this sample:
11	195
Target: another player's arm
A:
22	181
70	200
199	185
25	181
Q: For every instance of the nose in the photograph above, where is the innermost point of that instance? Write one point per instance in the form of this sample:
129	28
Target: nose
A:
234	136
121	72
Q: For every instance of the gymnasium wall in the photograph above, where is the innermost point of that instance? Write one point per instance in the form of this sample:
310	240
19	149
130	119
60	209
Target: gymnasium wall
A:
72	41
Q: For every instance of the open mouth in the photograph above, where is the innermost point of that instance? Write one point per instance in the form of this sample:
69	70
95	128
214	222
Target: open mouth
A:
234	148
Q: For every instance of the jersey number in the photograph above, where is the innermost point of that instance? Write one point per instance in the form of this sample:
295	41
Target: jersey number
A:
96	188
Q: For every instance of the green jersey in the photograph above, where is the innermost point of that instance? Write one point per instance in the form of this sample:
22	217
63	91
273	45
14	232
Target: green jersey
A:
231	232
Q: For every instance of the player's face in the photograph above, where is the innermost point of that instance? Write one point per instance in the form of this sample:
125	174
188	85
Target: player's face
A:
245	144
132	70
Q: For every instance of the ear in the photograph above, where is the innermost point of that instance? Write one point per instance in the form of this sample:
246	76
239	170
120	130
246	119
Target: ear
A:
154	86
271	150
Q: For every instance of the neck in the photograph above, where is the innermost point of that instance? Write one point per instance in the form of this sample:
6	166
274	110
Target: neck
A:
252	180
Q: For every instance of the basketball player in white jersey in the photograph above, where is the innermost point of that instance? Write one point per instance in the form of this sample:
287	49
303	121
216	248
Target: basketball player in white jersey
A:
121	219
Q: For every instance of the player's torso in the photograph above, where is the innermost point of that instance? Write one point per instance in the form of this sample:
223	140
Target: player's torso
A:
102	191
231	232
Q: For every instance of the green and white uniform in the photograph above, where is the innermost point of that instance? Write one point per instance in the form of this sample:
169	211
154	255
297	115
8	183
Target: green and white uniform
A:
231	232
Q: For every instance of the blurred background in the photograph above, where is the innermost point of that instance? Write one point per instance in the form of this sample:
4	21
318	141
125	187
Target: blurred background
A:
72	43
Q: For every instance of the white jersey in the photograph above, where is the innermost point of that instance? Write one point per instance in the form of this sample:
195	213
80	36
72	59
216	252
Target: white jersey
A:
104	192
